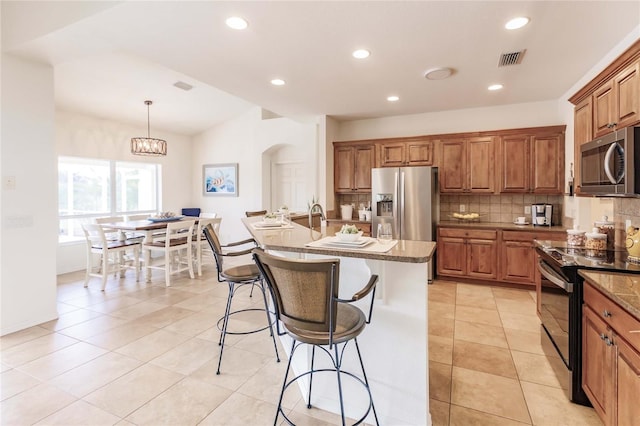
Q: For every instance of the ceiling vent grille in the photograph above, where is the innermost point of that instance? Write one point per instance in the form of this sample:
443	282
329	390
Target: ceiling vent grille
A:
513	58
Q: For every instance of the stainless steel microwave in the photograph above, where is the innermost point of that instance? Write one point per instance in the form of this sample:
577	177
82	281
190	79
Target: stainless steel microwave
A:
608	164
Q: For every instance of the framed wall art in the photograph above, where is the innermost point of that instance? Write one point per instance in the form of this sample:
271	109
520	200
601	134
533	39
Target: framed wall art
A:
220	179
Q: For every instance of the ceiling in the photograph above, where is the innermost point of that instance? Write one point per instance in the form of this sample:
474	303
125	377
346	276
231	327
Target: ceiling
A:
109	57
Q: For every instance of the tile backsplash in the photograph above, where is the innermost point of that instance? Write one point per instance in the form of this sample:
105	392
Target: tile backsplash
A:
492	208
499	208
625	209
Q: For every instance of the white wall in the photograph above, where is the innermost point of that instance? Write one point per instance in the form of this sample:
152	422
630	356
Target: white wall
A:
78	135
245	140
464	120
29	212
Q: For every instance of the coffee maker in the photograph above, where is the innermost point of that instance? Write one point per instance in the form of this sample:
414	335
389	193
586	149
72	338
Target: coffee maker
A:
541	214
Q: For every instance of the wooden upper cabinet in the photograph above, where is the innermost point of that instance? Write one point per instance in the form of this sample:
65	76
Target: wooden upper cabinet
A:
515	163
481	164
453	166
582	133
352	167
467	165
418	152
616	103
547	164
532	161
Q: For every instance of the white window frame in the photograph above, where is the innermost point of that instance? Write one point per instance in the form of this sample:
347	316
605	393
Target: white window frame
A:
112	209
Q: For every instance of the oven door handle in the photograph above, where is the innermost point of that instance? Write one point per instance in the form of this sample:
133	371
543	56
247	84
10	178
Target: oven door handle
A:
552	276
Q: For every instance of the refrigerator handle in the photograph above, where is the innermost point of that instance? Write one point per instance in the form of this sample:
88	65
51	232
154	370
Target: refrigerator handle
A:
400	217
396	199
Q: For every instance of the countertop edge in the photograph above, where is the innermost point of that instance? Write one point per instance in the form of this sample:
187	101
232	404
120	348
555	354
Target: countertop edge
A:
597	280
502	226
301	235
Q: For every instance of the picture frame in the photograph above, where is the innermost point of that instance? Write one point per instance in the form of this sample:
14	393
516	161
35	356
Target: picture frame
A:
220	179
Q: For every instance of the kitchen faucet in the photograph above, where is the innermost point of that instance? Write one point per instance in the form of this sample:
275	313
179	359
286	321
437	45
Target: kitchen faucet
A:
322	216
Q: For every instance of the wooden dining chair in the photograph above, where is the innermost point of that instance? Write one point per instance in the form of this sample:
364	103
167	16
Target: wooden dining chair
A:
111	253
177	250
256	213
200	242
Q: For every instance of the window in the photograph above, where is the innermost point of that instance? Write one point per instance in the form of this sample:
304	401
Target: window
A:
89	188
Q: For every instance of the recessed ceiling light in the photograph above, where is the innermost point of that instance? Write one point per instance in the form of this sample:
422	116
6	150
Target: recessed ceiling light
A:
393	98
277	82
495	87
237	23
361	53
438	73
516	23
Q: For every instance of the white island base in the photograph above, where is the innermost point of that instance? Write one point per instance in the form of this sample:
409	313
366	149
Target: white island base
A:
394	346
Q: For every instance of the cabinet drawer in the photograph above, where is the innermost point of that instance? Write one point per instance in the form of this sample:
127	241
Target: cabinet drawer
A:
533	235
617	318
468	233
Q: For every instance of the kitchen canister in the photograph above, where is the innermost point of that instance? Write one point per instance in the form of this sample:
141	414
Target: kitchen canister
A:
607	227
575	237
346	211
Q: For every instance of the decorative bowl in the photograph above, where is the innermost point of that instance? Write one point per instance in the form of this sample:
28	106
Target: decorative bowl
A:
270	220
348	238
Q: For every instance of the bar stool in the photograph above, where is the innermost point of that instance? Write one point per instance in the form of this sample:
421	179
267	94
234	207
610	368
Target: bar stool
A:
305	294
236	277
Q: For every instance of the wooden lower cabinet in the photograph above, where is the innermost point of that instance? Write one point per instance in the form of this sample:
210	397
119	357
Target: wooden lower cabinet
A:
597	356
467	253
610	359
499	255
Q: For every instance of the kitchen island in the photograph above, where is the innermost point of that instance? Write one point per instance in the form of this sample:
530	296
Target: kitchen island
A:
394	345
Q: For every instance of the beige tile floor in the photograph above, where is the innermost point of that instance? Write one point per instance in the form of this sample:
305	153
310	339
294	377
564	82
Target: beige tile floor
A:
145	354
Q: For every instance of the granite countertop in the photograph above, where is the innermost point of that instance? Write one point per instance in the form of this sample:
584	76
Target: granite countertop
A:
624	289
295	238
501	225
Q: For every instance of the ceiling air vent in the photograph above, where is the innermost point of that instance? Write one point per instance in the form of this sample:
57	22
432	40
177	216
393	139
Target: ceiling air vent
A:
513	58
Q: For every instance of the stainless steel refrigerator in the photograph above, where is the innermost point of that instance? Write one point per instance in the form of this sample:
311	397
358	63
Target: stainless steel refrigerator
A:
408	199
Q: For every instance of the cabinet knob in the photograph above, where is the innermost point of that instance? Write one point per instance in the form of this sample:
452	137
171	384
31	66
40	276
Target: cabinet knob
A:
606	339
606	314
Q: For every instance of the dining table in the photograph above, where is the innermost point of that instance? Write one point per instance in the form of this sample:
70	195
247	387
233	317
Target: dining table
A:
148	228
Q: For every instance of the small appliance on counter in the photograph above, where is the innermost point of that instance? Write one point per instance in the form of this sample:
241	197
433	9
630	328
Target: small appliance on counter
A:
541	214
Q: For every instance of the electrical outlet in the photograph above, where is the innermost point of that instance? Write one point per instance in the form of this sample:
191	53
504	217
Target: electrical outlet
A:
627	224
462	208
527	209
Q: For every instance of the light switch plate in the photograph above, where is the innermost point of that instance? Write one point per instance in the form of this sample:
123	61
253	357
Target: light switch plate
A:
9	182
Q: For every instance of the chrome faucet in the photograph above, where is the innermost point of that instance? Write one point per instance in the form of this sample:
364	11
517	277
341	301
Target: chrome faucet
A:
322	216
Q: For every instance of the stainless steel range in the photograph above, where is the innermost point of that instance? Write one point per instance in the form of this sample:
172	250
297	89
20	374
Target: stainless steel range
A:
561	301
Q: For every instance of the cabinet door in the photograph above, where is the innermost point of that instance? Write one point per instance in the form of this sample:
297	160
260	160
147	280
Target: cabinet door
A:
517	262
451	256
480	164
514	152
626	86
597	359
392	154
344	169
452	169
547	166
582	133
364	160
482	259
603	109
628	381
419	153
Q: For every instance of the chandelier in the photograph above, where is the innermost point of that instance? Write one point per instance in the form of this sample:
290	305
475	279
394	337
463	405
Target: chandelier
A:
148	145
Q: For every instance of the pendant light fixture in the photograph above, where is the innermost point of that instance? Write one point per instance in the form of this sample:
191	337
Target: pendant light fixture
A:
148	145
